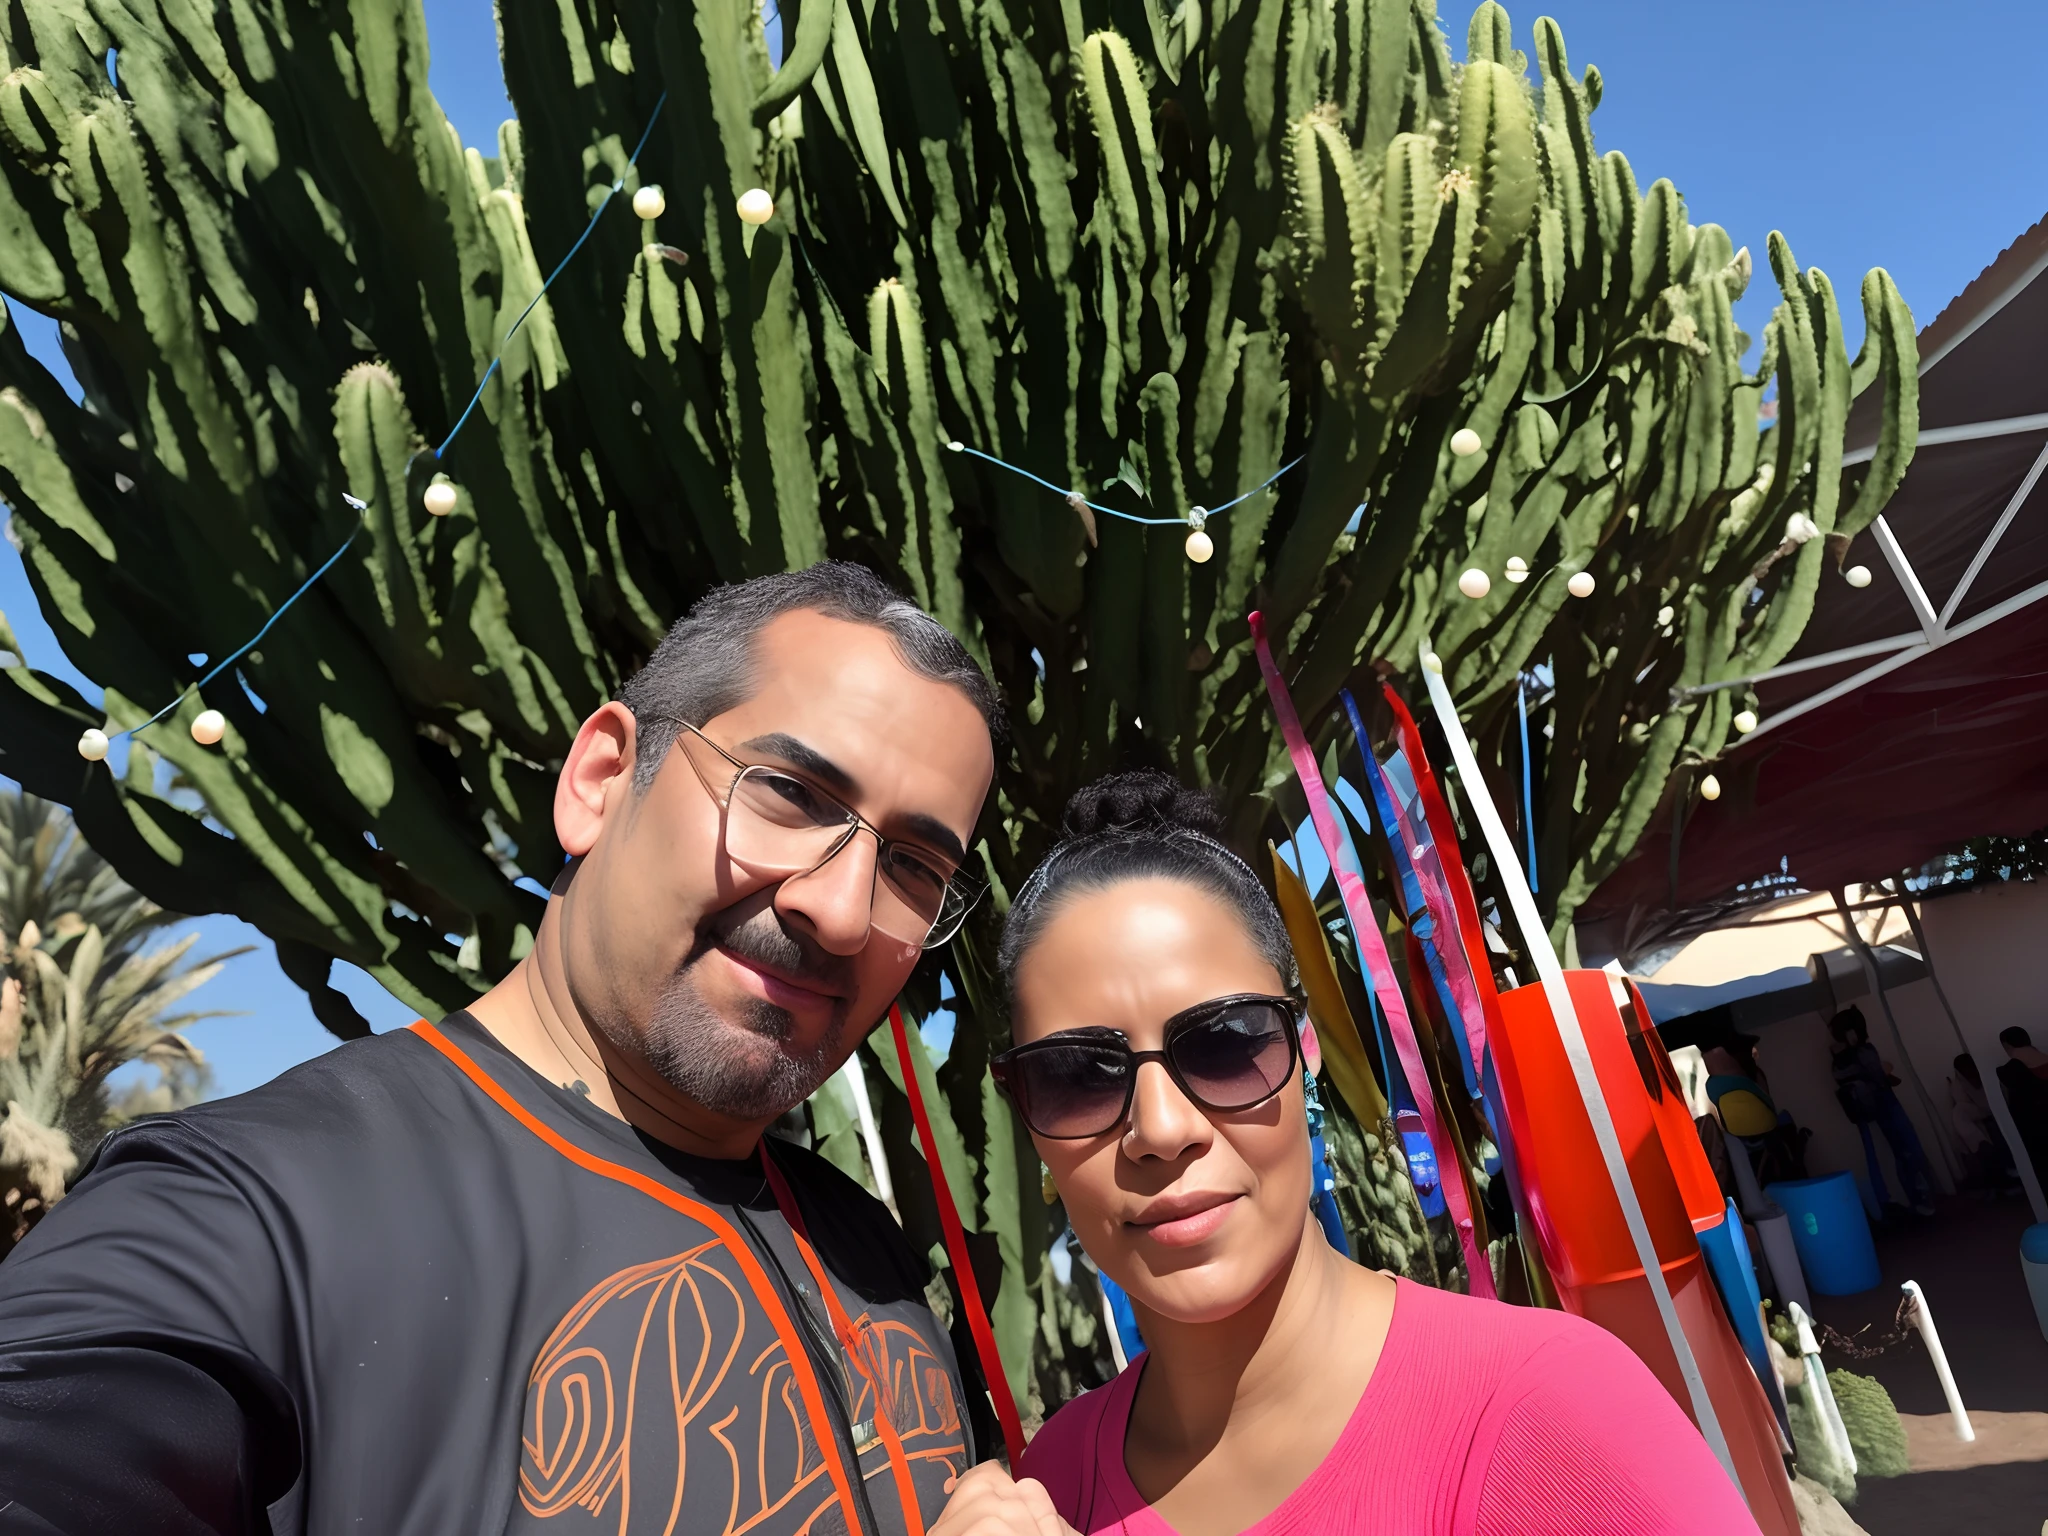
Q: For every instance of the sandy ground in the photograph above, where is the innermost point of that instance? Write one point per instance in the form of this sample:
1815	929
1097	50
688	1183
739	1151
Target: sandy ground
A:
1967	1261
1932	1445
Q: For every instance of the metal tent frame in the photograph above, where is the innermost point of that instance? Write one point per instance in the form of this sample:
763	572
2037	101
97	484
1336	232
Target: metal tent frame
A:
1936	628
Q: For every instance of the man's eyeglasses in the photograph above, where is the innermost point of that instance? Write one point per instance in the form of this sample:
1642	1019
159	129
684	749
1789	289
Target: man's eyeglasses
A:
779	824
1226	1055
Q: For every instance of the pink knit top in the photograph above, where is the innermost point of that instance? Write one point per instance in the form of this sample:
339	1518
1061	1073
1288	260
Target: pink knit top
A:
1481	1419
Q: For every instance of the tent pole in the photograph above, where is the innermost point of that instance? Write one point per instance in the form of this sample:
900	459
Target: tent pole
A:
1557	992
1994	1091
1876	979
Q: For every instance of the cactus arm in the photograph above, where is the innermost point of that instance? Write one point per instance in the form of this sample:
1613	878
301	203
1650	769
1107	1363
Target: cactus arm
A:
1887	344
808	40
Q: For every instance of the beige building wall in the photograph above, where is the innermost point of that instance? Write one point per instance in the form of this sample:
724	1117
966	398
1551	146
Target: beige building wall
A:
1795	1055
1990	952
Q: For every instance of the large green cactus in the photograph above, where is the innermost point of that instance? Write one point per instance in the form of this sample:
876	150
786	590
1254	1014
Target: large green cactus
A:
1153	255
1614	431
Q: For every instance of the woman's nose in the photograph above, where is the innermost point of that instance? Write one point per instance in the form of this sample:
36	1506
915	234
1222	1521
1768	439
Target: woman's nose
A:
1164	1122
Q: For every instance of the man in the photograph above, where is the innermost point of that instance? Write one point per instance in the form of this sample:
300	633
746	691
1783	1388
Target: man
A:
2024	1080
1863	1087
536	1269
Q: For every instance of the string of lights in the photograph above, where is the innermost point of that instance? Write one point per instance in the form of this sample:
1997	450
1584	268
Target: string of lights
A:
756	207
1199	545
210	725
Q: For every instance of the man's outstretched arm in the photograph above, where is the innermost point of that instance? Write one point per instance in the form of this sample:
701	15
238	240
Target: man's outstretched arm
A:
141	1325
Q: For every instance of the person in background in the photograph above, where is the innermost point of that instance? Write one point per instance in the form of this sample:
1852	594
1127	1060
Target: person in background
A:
1986	1162
2024	1080
1741	1095
1159	1065
1863	1087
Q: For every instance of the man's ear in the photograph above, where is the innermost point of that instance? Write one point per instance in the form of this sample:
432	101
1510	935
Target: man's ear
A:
596	778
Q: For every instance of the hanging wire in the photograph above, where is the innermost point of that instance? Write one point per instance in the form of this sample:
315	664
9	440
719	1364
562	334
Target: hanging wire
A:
1195	517
1075	497
256	639
595	214
359	506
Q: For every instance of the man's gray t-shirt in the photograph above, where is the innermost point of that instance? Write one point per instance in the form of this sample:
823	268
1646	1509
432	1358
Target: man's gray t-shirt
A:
412	1287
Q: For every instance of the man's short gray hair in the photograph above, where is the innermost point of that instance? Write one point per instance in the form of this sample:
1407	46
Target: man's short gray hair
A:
705	664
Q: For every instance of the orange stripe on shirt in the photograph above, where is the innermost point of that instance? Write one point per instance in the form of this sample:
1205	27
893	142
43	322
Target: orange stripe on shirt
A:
750	1265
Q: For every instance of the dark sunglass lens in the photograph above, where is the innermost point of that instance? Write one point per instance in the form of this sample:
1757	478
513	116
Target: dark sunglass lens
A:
1071	1091
1236	1058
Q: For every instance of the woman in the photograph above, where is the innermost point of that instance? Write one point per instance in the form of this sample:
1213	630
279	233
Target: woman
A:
1158	1061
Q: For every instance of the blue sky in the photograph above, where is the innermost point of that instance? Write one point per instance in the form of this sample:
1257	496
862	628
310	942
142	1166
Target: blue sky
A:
1906	134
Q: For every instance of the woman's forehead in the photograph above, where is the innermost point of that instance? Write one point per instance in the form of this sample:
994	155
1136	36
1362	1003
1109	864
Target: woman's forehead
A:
1131	955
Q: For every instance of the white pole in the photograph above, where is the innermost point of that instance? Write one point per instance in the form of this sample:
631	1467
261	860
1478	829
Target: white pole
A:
1987	1072
1823	1394
1922	1317
870	1133
1508	870
1116	1339
1937	1128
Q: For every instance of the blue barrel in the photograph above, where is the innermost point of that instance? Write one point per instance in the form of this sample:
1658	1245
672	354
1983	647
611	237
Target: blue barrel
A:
2034	1264
1831	1233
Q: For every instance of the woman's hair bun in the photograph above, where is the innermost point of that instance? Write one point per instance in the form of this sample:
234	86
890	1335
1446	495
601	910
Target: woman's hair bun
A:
1141	799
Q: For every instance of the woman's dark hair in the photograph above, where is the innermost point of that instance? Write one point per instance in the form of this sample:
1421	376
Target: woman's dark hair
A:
1138	826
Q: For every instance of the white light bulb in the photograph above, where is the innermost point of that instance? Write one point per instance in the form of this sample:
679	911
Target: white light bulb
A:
1518	569
757	206
1857	575
92	746
1745	721
1475	583
1465	442
648	203
1200	547
208	726
1581	584
440	498
1710	788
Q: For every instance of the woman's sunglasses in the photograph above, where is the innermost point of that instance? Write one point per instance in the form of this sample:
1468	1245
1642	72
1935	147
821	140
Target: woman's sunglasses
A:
1229	1054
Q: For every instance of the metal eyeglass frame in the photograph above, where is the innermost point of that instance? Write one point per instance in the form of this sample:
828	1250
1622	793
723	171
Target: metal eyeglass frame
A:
963	891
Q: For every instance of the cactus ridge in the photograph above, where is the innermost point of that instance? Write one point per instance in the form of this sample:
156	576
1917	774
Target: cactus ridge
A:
1152	256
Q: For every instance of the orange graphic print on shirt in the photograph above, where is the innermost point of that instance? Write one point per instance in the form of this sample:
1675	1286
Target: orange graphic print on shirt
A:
664	1401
